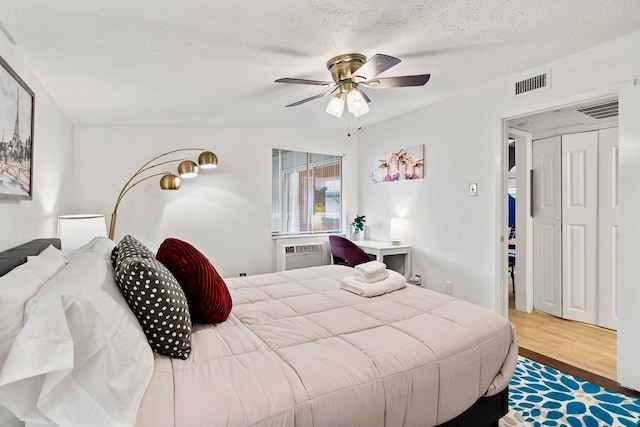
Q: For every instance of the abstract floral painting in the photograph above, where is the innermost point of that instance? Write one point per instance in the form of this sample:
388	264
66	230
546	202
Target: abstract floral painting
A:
398	165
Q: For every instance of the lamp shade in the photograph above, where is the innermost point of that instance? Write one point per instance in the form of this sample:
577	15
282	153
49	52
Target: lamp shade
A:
76	230
336	105
187	169
398	230
356	103
207	160
170	182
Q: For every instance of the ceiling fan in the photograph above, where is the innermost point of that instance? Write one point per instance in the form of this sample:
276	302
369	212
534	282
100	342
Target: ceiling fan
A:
351	72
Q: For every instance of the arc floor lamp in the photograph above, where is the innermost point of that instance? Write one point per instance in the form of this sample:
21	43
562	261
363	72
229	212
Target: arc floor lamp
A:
186	169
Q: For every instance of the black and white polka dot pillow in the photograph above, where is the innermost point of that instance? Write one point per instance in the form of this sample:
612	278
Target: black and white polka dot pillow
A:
157	300
129	247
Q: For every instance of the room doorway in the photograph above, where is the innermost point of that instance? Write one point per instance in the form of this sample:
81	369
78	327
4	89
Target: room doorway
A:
558	236
628	269
521	132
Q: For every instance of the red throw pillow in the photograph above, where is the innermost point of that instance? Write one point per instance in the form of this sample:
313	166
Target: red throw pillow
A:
207	294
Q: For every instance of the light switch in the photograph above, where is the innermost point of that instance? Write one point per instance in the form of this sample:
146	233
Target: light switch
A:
473	189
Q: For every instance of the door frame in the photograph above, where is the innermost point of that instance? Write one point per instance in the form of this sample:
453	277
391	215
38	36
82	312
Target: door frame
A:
502	216
524	221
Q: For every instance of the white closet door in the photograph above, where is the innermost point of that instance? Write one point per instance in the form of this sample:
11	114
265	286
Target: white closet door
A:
547	237
608	228
580	226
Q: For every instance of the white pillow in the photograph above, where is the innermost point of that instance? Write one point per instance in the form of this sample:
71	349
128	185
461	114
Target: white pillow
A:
81	357
98	245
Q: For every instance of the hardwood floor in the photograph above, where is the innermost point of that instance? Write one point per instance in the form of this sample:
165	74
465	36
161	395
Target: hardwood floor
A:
582	350
587	347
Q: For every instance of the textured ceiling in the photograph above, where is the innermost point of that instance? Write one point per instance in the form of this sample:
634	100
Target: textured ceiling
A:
200	62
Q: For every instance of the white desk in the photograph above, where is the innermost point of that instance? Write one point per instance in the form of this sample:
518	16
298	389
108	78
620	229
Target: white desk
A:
380	249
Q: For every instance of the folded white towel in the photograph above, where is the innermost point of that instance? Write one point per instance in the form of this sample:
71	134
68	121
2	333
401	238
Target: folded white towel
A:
369	268
392	283
372	277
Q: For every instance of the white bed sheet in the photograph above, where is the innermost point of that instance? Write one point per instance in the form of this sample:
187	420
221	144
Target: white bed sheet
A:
81	358
299	351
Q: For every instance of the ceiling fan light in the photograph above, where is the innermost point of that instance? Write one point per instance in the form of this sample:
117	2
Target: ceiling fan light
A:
364	110
356	103
336	106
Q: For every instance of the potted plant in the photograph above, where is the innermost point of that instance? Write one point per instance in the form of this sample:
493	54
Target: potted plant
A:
358	226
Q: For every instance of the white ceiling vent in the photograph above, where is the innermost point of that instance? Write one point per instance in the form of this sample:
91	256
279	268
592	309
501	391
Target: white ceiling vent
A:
536	83
604	110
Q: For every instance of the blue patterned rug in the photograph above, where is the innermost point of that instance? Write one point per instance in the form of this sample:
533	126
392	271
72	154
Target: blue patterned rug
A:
542	396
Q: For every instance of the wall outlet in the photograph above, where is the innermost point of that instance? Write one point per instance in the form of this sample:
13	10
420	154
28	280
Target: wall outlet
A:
448	287
473	189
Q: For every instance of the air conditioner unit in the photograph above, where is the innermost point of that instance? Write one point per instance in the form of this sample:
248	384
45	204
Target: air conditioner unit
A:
299	256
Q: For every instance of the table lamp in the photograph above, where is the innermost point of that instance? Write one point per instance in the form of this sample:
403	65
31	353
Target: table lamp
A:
76	230
398	227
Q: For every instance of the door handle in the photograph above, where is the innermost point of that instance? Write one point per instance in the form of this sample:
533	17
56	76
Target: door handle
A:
531	193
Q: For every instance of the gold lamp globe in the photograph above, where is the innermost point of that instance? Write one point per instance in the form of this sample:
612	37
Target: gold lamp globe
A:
187	169
170	182
207	160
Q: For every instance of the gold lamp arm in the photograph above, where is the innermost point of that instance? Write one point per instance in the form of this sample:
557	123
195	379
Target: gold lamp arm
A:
126	186
145	167
125	190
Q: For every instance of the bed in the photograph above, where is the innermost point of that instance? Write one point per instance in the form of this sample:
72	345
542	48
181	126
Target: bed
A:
295	350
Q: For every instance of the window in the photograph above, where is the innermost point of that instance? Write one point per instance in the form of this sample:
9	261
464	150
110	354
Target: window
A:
306	193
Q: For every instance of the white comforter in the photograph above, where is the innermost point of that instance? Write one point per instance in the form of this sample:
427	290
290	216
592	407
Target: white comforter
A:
299	351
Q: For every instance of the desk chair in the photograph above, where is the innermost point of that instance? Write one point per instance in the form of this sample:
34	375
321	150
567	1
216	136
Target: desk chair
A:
345	252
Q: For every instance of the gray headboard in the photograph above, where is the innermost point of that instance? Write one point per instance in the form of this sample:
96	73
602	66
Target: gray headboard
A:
11	258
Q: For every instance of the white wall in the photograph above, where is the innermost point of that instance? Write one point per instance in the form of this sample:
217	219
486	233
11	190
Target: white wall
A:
23	220
456	237
452	234
224	212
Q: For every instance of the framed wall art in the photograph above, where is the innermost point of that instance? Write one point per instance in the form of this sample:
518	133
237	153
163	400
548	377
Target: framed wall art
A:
17	103
398	165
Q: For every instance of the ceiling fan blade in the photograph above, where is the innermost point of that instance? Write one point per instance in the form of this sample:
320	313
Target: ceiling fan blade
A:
320	95
305	82
364	95
377	64
400	81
